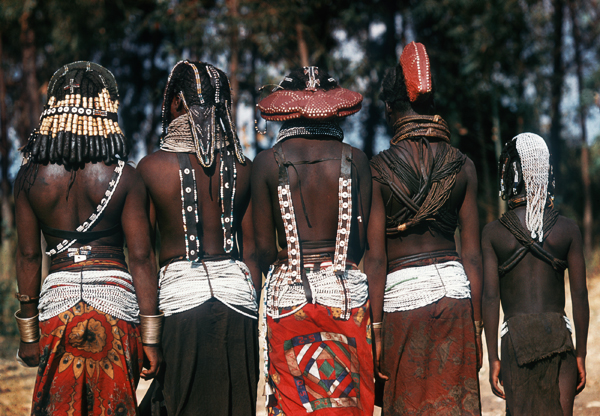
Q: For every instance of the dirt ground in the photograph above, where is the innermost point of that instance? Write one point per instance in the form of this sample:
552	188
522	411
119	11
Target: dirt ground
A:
16	382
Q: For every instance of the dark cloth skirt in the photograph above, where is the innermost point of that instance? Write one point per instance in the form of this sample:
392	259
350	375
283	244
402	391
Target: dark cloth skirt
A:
430	357
210	364
535	352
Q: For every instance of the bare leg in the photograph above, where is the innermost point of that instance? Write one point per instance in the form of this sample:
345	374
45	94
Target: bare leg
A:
567	382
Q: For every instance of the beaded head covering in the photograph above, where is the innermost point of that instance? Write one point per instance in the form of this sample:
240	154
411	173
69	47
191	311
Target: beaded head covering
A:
417	73
526	157
79	123
306	94
206	96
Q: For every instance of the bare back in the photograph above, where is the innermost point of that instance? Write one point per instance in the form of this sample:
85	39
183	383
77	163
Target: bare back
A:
64	199
160	172
320	184
533	285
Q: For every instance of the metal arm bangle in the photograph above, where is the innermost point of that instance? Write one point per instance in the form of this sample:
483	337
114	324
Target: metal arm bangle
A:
29	328
377	325
151	327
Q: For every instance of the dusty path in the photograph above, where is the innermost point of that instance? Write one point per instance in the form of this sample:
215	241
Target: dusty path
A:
16	382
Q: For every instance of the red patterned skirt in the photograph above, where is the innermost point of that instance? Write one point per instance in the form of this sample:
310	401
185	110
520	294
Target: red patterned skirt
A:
90	365
319	363
430	357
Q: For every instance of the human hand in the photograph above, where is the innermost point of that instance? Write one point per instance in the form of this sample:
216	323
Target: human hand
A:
30	353
154	356
377	333
495	378
580	374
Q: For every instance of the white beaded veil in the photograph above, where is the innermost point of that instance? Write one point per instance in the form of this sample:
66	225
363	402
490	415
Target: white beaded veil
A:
535	166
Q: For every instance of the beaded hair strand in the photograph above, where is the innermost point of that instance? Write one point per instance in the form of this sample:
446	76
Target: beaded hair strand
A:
79	123
206	87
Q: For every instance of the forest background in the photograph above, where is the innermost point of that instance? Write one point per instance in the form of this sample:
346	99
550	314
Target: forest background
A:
501	67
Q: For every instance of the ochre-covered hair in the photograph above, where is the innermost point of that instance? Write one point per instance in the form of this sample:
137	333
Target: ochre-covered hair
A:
410	83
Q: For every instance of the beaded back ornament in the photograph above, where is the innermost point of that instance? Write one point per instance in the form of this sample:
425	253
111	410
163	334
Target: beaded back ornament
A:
313	102
417	73
79	123
535	166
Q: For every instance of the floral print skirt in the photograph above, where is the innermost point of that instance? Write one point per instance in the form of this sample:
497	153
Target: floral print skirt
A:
90	364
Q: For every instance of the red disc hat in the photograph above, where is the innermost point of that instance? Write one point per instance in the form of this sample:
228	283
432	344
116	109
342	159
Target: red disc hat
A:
311	103
417	72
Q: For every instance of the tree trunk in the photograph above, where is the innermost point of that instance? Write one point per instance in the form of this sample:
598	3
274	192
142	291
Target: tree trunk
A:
487	185
497	139
302	47
31	109
556	86
232	5
6	213
585	154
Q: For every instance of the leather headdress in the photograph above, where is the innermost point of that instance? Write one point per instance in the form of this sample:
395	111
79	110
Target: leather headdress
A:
417	72
312	103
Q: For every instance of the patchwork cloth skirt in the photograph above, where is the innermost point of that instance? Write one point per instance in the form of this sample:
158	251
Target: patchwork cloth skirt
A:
321	364
90	364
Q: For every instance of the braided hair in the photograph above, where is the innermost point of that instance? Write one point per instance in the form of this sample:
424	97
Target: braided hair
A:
510	173
206	95
394	92
79	123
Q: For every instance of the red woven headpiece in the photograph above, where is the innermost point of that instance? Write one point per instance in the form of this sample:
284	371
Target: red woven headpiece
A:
417	73
312	103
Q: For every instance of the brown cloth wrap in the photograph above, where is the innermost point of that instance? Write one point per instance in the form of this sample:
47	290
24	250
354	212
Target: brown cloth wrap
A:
533	350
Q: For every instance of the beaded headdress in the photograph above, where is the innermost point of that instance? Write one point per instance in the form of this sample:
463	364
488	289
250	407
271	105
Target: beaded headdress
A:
206	111
531	168
417	73
79	123
312	102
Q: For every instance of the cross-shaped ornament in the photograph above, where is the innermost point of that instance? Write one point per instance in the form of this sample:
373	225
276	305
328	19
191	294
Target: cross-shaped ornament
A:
71	86
312	72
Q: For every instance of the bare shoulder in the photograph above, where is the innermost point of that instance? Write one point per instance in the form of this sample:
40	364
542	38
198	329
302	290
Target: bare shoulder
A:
153	165
360	158
568	227
264	164
469	170
493	231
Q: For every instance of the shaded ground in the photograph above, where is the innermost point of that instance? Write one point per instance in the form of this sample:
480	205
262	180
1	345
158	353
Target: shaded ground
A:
16	382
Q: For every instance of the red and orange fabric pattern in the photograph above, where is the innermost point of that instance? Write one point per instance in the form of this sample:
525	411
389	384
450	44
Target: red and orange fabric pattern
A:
90	364
320	363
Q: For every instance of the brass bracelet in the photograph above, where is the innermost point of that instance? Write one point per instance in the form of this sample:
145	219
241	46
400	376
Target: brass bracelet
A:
151	327
29	328
377	325
478	328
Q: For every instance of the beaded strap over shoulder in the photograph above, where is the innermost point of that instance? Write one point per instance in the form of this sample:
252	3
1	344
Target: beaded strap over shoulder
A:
291	273
89	224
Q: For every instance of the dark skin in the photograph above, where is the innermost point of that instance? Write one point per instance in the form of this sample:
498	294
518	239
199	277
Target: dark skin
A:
46	202
160	172
420	239
320	189
533	286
